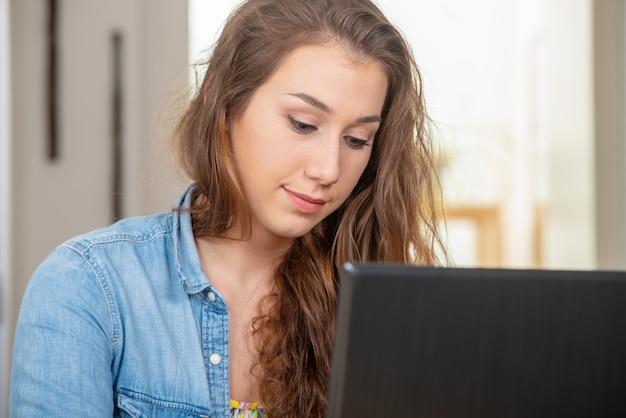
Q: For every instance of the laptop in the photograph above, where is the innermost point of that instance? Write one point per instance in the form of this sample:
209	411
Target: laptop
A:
452	342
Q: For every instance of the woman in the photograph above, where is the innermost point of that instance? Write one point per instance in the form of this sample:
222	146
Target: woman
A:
307	147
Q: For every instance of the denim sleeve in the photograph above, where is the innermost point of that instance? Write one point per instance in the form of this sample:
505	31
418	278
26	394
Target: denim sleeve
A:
62	352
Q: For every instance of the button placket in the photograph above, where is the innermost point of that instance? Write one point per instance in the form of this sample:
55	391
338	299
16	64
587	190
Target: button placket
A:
215	347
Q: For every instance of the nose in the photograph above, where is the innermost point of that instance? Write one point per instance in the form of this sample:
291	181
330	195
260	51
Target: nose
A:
323	163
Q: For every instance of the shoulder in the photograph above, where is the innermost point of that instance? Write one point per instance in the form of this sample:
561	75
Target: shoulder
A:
80	262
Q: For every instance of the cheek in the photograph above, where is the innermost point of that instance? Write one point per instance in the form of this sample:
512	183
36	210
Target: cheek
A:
354	171
248	150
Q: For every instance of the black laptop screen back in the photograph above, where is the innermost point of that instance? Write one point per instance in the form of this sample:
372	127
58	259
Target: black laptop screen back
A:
435	342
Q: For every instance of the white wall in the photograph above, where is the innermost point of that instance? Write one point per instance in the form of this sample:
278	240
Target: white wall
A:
4	206
563	124
50	201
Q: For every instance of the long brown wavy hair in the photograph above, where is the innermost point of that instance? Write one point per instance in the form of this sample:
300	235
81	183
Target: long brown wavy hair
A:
391	216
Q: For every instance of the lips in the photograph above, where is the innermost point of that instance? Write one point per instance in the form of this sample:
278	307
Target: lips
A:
304	203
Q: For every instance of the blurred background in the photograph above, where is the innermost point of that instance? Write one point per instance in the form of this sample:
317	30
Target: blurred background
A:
527	97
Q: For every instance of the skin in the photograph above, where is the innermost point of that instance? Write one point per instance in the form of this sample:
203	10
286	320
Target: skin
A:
300	147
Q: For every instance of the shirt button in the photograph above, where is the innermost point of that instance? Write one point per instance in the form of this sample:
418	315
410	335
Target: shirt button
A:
215	359
211	296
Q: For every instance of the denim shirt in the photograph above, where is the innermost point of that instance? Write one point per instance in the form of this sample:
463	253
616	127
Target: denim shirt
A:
123	322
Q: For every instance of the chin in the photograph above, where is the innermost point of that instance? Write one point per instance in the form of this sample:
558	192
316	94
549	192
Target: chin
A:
295	227
294	232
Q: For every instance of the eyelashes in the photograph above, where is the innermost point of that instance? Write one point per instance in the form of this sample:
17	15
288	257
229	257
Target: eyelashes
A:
301	127
305	128
356	143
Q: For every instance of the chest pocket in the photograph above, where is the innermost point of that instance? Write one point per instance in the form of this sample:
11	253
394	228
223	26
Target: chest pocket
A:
136	405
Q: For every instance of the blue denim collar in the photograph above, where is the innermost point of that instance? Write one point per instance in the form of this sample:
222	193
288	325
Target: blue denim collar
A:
185	251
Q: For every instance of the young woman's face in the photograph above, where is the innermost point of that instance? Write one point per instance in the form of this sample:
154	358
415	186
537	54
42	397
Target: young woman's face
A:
306	136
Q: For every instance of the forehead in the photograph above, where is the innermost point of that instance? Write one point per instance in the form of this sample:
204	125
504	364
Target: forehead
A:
332	74
320	54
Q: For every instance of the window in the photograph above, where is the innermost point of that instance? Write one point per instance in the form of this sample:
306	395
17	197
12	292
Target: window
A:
509	86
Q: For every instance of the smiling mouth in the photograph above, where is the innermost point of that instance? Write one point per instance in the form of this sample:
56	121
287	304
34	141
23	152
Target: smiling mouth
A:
304	203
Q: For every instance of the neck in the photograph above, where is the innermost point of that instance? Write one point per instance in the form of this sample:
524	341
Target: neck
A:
241	265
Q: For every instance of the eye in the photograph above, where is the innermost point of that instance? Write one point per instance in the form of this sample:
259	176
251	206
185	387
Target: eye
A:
301	127
355	143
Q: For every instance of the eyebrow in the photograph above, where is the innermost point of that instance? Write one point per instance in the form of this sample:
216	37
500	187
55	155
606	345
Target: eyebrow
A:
327	109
